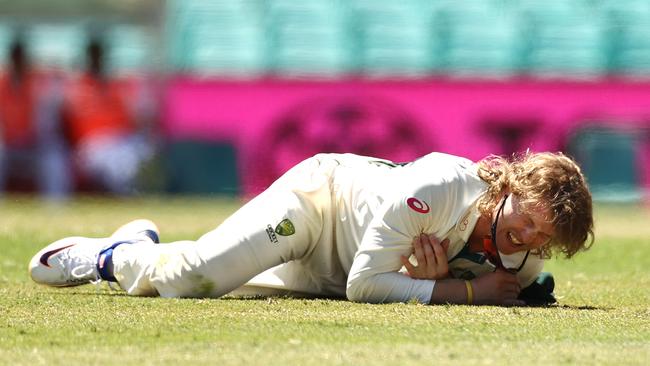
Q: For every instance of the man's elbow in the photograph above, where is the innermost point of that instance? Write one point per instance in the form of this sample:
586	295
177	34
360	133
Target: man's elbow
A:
359	290
353	294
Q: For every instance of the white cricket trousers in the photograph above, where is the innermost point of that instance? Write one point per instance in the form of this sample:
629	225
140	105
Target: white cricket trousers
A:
247	244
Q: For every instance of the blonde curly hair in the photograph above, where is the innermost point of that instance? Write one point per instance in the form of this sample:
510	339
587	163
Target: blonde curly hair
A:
549	181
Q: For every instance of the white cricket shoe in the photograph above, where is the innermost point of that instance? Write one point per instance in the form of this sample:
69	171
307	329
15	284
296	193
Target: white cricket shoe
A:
76	260
141	227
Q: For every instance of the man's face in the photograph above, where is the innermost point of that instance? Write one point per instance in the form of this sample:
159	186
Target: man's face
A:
522	229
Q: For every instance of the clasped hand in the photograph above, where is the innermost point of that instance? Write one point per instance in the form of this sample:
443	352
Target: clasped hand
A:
431	255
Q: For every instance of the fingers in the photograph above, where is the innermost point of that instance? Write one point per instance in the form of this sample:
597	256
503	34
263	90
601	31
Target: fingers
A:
434	241
407	264
445	245
424	251
418	251
498	288
441	256
429	254
509	285
506	275
431	258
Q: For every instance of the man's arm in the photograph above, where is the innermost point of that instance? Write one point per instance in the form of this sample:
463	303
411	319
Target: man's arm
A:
495	288
499	288
374	275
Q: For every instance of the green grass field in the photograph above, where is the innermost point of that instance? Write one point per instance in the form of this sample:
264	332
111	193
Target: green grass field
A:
603	316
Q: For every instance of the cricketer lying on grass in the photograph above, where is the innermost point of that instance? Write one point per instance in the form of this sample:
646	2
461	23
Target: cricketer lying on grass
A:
342	225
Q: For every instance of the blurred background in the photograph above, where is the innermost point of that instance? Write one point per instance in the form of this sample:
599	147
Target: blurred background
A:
130	97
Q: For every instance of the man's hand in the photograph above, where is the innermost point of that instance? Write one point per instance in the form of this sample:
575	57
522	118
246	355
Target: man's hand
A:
432	258
497	288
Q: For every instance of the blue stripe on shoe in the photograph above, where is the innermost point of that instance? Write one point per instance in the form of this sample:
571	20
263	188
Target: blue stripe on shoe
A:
105	258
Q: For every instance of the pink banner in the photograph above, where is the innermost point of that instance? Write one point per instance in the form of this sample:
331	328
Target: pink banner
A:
274	124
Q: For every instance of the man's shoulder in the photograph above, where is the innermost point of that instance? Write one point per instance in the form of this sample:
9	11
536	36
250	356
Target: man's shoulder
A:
441	168
439	158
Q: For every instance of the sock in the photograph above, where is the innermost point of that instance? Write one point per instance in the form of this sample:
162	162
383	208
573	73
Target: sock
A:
105	262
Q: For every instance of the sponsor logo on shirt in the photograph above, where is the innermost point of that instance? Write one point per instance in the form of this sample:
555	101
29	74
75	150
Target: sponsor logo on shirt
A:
462	226
272	237
418	205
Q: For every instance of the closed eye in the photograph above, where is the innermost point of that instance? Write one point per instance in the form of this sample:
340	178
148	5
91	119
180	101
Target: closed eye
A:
540	237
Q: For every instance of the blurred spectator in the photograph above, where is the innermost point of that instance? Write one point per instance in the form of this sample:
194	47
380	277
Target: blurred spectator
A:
107	145
33	155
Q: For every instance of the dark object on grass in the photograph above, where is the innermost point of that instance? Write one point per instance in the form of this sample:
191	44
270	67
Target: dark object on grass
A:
540	292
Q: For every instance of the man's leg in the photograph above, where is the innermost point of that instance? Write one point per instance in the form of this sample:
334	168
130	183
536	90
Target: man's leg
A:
280	225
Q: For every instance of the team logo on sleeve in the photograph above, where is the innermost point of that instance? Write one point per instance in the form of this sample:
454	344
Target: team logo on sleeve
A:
285	228
417	205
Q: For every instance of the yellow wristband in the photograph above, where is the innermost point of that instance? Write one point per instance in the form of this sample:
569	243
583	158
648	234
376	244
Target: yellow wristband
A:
470	292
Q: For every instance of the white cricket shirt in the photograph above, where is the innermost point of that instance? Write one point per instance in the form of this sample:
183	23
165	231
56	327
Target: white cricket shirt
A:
382	208
378	207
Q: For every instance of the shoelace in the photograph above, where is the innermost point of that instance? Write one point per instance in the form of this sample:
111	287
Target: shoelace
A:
78	268
83	270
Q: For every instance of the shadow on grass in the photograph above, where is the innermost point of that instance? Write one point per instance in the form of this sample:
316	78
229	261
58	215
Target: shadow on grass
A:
84	291
583	307
270	298
119	293
108	293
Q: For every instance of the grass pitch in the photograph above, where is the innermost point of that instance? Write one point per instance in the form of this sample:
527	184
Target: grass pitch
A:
603	316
